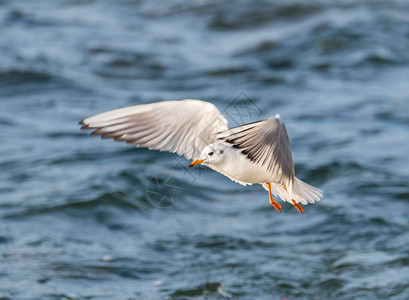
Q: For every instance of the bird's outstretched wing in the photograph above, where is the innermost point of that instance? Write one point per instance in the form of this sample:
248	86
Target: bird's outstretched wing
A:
266	143
184	127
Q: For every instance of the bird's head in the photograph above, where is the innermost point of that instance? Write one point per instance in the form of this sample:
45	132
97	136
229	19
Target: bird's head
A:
213	154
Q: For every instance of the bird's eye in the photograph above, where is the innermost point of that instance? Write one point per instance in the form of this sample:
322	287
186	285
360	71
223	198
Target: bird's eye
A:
211	153
221	151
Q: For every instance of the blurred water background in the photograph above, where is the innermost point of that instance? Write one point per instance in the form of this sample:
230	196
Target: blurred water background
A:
80	217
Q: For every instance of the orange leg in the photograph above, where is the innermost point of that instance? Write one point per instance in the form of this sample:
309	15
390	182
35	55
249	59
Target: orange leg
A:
298	206
276	205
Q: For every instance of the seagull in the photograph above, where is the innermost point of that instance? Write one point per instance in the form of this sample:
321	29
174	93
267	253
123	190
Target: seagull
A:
254	153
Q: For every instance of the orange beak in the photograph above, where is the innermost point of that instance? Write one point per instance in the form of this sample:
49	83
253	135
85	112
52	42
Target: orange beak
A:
194	163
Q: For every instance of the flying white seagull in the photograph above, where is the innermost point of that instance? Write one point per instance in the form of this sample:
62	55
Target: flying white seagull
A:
258	152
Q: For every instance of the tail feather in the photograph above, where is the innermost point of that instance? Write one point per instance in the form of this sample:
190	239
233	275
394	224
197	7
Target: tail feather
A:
301	192
304	193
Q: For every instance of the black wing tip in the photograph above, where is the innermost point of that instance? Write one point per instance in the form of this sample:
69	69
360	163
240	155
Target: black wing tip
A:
83	125
95	132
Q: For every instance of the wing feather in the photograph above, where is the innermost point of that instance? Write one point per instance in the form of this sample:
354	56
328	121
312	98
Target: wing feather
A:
266	143
184	127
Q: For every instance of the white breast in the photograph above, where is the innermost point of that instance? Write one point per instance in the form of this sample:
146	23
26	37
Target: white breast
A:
240	169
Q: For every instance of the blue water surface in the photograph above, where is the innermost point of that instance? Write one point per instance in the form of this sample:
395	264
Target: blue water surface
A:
84	218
